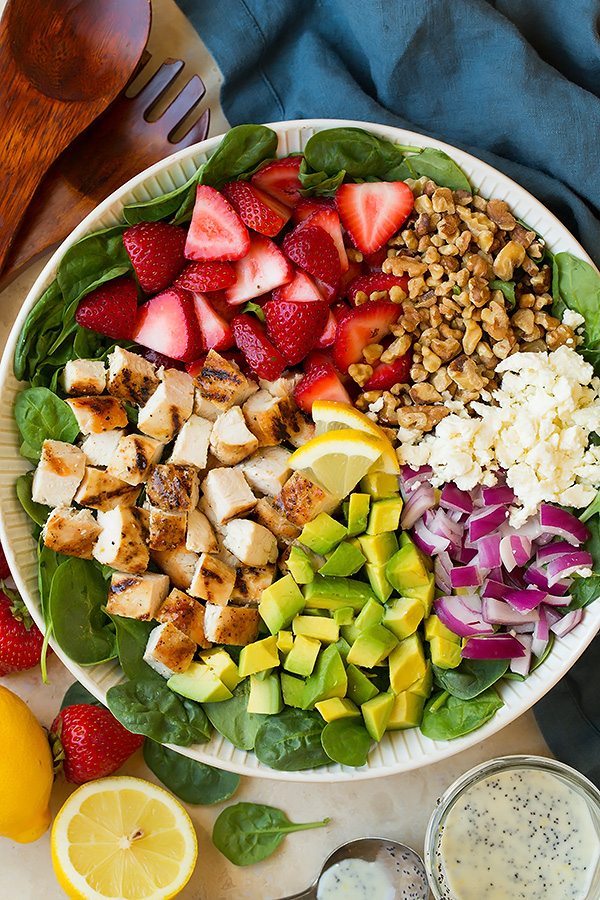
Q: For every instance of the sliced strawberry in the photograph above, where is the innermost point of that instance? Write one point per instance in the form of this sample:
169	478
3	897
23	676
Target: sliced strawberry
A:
340	310
280	179
365	325
374	211
263	268
301	288
168	323
321	382
314	250
111	309
376	281
206	277
375	260
386	375
308	205
159	359
216	332
216	231
156	252
294	327
263	358
329	220
328	334
355	269
256	209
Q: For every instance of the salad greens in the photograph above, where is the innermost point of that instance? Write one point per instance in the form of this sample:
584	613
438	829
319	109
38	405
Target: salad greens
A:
446	717
291	741
80	626
471	678
191	781
147	706
346	741
232	719
40	416
75	694
37	512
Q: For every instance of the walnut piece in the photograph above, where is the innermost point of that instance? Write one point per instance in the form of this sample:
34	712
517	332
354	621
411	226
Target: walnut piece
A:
422	417
464	372
500	214
511	256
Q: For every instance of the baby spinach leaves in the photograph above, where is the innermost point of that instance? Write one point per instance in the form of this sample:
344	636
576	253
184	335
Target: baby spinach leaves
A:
92	261
446	717
132	637
434	164
507	288
471	678
41	415
81	627
147	706
164	207
76	694
346	741
191	781
36	511
576	285
247	833
232	719
291	741
319	184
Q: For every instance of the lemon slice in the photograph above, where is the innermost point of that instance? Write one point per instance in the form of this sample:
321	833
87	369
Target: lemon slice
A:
123	838
328	415
338	459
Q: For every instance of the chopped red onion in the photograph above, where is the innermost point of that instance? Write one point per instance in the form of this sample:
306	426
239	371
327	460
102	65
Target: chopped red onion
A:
555	520
551	551
499	494
485	521
567	623
496	589
464	554
442	564
465	576
418	501
554	600
440	523
455	499
427	541
514	551
488	550
521	666
525	600
552	615
541	633
497	612
535	575
496	646
567	564
457	614
523	629
412	478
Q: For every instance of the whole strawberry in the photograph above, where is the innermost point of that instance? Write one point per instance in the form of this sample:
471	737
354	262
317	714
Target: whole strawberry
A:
156	252
110	309
90	743
20	640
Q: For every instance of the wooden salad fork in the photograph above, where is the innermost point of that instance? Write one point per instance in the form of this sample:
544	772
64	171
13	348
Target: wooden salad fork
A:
118	145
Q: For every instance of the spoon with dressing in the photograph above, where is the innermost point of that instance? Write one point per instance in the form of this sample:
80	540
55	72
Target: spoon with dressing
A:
369	869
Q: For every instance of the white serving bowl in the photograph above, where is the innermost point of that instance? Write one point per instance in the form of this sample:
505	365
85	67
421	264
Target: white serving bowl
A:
398	751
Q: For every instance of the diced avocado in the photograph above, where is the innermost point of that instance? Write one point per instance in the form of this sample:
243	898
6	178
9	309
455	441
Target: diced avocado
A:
360	688
322	534
258	656
403	616
378	581
404	538
334	593
445	654
265	695
299	566
407	711
434	627
293	690
406	569
349	632
384	515
372	646
199	682
344	615
376	713
222	665
345	560
371	614
327	680
337	708
343	647
379	485
379	548
285	641
423	592
407	663
302	657
358	513
319	627
423	685
280	602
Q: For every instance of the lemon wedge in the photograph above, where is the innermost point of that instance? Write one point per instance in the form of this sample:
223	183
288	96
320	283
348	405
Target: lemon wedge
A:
328	415
123	837
338	459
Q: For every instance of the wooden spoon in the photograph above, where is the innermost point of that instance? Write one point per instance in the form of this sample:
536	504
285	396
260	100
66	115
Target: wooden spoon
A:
63	62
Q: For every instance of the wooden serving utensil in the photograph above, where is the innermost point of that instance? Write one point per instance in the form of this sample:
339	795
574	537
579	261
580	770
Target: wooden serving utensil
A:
63	62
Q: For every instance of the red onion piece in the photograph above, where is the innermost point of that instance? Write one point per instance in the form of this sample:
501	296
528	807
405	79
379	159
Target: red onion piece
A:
521	666
442	564
514	551
465	576
497	612
555	520
455	499
526	600
535	575
485	522
496	589
462	615
551	551
498	494
496	646
567	623
523	629
541	634
412	478
566	565
552	615
427	541
488	550
418	501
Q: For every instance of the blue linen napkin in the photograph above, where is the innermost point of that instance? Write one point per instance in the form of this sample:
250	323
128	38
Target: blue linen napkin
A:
516	83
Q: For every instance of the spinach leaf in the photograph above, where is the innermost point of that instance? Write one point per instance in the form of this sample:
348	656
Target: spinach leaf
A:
163	207
346	741
147	706
81	627
576	285
446	717
48	563
36	511
132	637
507	288
232	719
319	184
92	261
591	509
291	741
434	164
359	153
471	678
38	332
255	309
76	693
584	591
191	781
41	415
246	833
243	147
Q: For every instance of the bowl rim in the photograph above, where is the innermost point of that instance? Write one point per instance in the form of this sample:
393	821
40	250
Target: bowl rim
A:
435	751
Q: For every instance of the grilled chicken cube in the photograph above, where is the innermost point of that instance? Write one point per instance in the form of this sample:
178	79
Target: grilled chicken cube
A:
58	474
97	414
250	582
234	625
84	376
227	493
191	445
251	543
71	531
167	530
172	487
101	448
169	407
213	580
204	408
282	386
101	490
272	515
266	471
222	384
302	499
268	417
230	439
136	596
200	537
179	564
168	650
131	377
300	427
122	543
134	456
186	614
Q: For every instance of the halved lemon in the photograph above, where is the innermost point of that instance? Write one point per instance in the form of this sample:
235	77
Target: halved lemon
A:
328	415
124	838
339	459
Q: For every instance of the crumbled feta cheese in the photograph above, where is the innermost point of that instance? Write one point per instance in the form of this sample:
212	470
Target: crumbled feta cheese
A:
572	319
376	405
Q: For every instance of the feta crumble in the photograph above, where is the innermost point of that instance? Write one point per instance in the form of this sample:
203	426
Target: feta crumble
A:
572	319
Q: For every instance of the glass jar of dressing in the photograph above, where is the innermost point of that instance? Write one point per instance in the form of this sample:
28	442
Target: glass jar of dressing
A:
518	827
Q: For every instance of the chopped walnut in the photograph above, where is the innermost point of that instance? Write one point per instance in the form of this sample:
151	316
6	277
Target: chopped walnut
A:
479	291
372	353
442	200
524	320
404	265
397	348
500	214
440	379
424	393
541	282
511	256
464	372
360	372
472	336
431	361
446	349
495	321
422	417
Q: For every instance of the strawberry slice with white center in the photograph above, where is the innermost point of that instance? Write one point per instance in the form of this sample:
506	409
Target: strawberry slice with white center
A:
280	179
374	211
261	355
168	324
362	326
263	268
301	288
313	249
329	220
256	209
216	332
308	205
216	231
328	334
320	382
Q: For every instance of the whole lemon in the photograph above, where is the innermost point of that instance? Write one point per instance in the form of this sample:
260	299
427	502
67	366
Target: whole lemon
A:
26	773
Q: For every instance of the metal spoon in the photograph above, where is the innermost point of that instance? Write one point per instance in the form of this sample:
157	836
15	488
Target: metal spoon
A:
404	866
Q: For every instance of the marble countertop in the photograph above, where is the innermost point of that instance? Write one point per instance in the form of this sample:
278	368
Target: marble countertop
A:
395	807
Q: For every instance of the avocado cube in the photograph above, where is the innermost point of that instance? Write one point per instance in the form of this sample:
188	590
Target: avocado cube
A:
385	515
222	665
403	616
322	534
299	566
371	614
344	615
358	513
345	560
349	632
319	627
302	657
423	685
279	603
199	682
423	592
360	688
379	485
327	680
335	593
407	663
379	548
372	646
258	656
407	711
285	641
404	538
265	695
445	654
406	569
434	627
343	648
376	713
337	708
378	581
293	690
